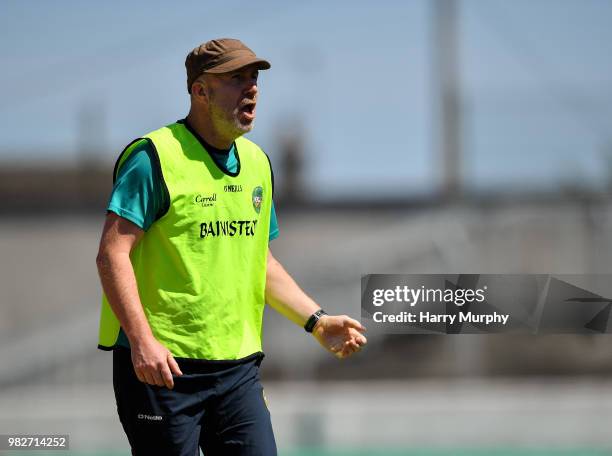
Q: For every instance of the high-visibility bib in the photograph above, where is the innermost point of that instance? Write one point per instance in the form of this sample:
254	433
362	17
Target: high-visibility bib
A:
201	267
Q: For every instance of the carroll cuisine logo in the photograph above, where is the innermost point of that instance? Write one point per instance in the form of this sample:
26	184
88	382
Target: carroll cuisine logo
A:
205	200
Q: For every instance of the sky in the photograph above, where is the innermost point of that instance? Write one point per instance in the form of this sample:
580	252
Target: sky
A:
353	78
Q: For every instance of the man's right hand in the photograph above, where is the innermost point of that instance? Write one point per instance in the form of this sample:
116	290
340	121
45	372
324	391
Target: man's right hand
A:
153	363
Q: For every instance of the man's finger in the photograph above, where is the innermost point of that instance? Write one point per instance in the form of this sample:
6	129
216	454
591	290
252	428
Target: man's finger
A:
348	351
174	367
347	345
335	348
361	340
167	377
140	376
157	378
148	378
352	347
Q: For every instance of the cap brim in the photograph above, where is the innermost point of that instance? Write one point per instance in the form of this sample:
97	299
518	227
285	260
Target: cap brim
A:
238	63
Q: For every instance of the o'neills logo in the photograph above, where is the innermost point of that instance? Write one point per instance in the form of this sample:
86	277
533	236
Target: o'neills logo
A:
205	201
228	228
232	188
142	416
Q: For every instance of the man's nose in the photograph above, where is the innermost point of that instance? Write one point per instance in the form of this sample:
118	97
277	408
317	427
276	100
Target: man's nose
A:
251	87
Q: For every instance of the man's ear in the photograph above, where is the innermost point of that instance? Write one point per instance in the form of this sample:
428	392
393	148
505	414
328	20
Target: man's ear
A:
198	89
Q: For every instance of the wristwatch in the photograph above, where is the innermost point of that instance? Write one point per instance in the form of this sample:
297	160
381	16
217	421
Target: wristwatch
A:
314	318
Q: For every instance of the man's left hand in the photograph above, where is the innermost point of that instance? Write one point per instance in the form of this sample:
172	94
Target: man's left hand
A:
340	334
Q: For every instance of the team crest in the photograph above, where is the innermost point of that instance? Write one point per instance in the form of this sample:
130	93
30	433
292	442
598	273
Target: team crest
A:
257	198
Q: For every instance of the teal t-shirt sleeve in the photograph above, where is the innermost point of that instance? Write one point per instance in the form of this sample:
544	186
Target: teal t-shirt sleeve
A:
137	195
274	231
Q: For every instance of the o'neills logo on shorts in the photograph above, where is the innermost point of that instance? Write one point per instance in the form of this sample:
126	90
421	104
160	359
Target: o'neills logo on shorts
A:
227	228
142	416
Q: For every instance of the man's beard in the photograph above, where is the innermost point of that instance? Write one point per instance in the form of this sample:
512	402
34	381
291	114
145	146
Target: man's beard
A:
245	128
216	112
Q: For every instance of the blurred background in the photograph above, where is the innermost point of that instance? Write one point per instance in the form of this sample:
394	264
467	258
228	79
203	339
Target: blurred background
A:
423	136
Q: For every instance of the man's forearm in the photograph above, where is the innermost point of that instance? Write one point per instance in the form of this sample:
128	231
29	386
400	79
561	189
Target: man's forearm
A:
119	284
285	296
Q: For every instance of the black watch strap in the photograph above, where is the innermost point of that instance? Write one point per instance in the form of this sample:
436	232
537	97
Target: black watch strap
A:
314	318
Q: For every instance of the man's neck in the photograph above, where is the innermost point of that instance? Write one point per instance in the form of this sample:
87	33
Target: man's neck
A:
203	127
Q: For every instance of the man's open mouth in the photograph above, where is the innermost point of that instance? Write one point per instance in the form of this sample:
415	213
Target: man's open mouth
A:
248	109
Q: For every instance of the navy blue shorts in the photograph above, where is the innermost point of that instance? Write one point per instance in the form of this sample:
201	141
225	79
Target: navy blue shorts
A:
216	406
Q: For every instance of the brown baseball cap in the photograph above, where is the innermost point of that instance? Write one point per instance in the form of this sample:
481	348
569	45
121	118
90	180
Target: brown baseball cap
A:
220	56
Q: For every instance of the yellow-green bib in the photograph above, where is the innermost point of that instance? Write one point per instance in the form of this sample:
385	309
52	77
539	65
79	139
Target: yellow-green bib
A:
201	267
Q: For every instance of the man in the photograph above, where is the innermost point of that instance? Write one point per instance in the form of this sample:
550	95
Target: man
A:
186	270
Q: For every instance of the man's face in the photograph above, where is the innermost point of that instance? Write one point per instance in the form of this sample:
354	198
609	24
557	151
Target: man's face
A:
231	100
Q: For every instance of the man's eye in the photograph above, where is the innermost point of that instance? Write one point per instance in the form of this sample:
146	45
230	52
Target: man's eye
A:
235	76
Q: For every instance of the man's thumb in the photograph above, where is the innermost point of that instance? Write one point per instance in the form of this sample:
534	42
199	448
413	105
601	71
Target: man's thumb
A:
350	323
